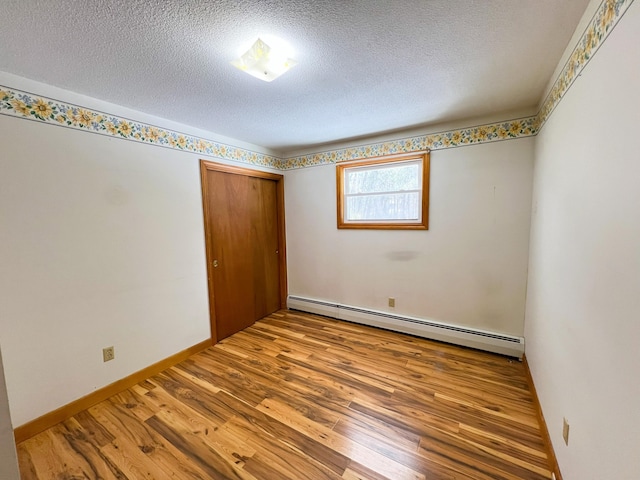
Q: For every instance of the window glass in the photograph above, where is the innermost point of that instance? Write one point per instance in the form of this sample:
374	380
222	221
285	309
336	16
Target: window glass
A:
383	193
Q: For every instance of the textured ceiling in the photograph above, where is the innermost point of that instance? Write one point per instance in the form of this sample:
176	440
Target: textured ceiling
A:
364	66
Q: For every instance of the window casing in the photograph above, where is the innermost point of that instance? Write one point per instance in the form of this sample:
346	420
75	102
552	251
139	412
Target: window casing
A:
390	192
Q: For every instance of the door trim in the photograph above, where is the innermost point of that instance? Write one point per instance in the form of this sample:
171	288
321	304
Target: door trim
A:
206	166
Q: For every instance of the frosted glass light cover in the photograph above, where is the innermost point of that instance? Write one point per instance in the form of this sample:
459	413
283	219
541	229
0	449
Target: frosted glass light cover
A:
264	62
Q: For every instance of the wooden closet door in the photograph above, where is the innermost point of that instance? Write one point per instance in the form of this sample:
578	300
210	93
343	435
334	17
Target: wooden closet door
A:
264	246
242	222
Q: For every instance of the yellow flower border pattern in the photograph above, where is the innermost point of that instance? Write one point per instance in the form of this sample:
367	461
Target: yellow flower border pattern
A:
22	104
39	108
602	23
518	128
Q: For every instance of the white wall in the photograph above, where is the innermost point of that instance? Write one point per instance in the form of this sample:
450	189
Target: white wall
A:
8	457
102	244
583	302
468	269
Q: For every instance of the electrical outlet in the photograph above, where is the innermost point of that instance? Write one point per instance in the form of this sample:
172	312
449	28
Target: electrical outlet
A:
565	431
392	302
108	354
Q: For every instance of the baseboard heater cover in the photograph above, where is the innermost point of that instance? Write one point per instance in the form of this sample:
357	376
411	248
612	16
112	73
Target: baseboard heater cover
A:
467	337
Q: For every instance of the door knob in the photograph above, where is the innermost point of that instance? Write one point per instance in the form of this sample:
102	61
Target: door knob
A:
215	264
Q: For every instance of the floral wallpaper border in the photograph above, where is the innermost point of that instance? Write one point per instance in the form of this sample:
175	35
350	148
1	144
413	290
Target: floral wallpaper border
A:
602	23
518	128
21	104
598	29
17	103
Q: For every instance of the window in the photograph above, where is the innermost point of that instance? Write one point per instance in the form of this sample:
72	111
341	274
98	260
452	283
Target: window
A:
389	192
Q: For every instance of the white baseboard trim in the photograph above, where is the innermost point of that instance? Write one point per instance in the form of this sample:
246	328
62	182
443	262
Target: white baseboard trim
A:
457	335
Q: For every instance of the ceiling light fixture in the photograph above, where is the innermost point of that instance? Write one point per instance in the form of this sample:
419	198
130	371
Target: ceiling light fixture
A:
264	62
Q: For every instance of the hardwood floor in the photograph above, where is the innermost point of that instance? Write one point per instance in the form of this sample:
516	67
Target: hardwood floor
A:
297	396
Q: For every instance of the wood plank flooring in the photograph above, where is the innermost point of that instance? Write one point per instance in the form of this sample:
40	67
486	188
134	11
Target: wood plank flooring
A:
298	396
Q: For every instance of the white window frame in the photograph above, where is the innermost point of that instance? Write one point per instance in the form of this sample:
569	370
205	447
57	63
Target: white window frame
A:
342	169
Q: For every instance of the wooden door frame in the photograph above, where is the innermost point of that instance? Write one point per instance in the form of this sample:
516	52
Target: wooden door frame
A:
207	166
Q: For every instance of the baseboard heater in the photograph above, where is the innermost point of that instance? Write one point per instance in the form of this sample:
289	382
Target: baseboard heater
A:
467	337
